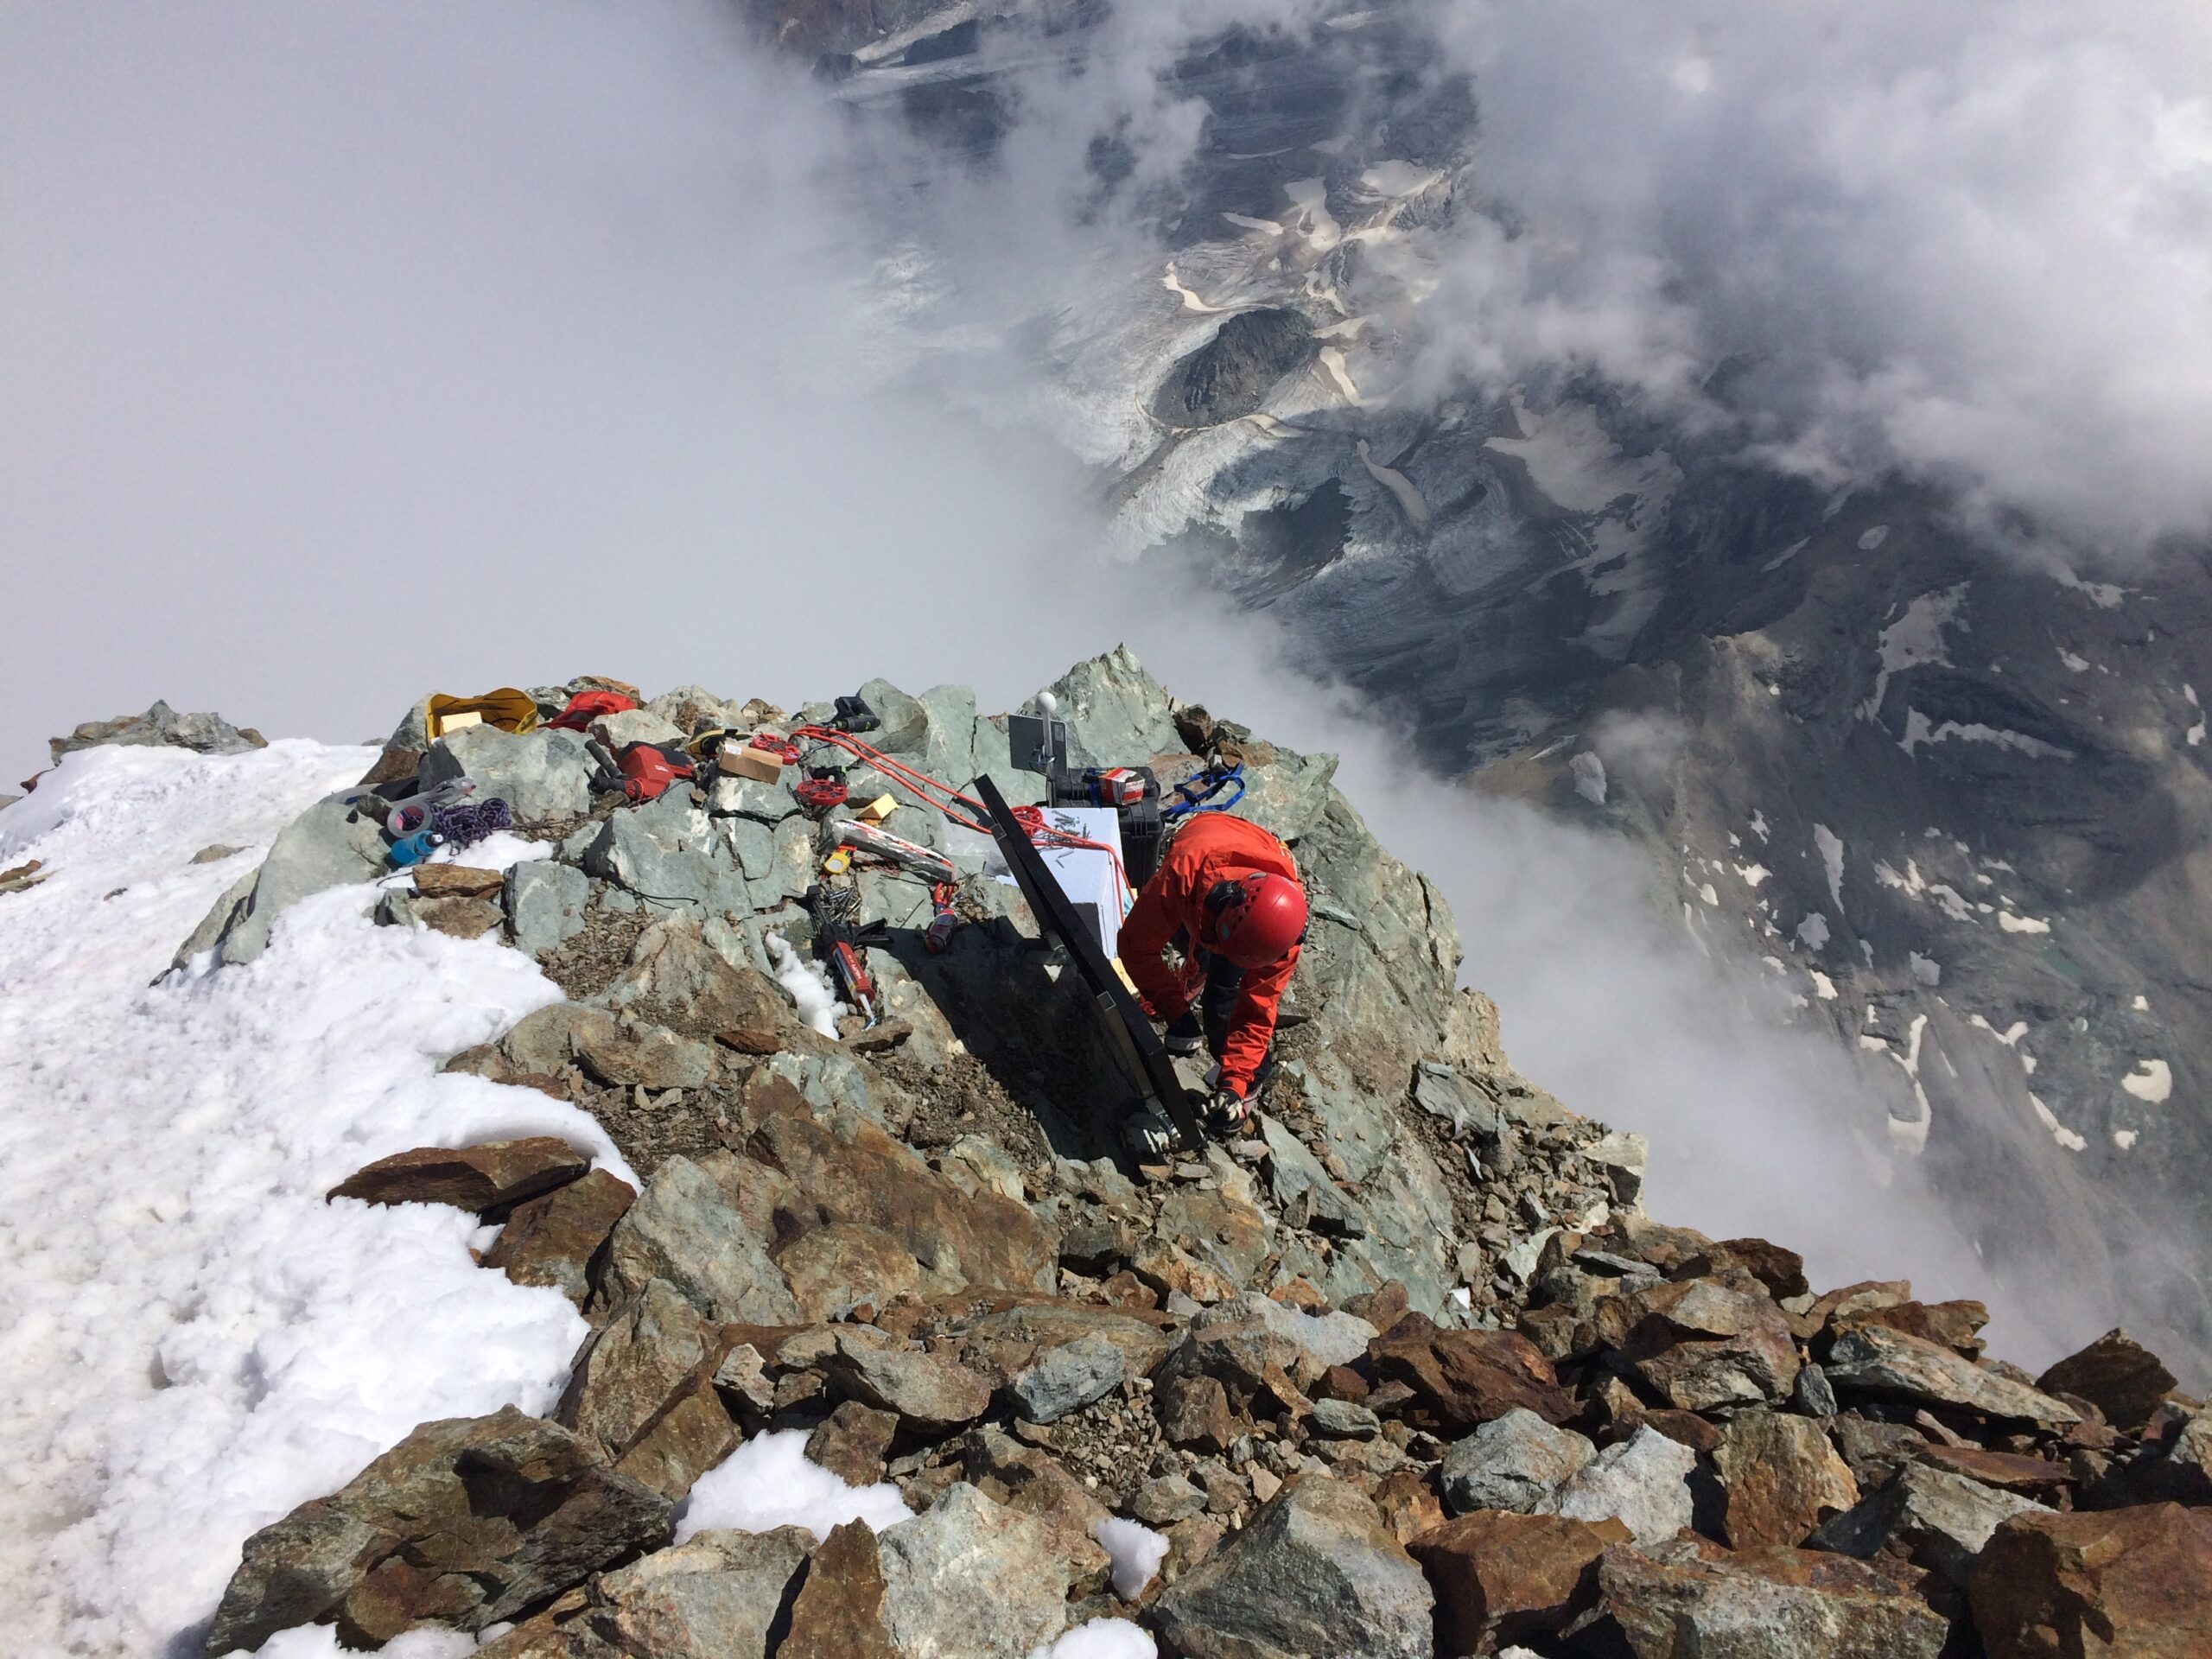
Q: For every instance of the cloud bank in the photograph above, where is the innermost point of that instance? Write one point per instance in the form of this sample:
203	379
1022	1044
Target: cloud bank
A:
1971	244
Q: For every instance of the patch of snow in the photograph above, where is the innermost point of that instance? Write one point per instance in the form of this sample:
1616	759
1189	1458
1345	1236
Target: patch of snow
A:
2065	1137
1589	774
2151	1082
2011	1035
1823	987
1758	824
1137	1551
1314	223
1913	885
2012	924
1575	464
2102	594
809	984
1814	930
320	1641
1784	556
198	1342
2142	1003
1402	489
1190	301
1873	538
1395	178
1926	970
1754	874
1706	894
2074	665
1332	364
2124	1139
1102	1638
1912	1137
500	851
1918	731
1831	848
1914	641
769	1483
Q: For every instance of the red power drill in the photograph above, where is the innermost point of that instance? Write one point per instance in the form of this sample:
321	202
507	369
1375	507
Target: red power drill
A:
843	947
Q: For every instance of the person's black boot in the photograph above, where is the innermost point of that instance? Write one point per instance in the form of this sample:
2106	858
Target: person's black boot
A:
1186	1034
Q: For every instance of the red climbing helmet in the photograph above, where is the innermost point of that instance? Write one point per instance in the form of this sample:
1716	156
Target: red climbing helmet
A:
1258	917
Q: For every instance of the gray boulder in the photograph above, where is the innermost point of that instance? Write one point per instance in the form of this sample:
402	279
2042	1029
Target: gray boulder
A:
1689	1599
1936	1519
971	1580
160	726
715	1595
617	731
1874	1359
1315	1571
692	975
927	1390
1515	1462
328	845
673	853
1296	1179
683	1229
1643	1482
1340	1420
543	777
1335	1338
1165	1500
465	1523
643	1393
545	904
1070	1377
1116	713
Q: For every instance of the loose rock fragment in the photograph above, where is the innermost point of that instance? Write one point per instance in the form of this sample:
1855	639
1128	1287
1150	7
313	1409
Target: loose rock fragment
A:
1314	1572
488	1178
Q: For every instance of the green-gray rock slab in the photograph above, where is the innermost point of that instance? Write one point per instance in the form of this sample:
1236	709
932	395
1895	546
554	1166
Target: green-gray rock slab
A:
545	904
715	1595
1314	1572
684	1229
329	845
465	1522
542	776
972	1579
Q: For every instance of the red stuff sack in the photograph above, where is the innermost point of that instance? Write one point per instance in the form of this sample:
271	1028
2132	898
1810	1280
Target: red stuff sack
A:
647	772
588	706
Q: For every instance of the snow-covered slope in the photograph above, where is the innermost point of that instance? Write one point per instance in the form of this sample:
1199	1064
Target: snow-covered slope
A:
196	1341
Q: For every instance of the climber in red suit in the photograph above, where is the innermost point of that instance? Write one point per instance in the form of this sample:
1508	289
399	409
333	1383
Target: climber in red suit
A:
1227	896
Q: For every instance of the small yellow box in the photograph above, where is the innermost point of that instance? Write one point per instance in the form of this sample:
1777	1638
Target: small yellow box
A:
459	723
877	809
741	759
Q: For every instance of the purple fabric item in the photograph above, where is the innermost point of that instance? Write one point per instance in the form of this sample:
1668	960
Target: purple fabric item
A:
466	823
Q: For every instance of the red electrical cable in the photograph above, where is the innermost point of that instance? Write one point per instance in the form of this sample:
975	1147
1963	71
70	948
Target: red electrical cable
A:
927	789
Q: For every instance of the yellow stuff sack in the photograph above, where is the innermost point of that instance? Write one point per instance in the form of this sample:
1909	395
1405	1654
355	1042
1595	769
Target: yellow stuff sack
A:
507	709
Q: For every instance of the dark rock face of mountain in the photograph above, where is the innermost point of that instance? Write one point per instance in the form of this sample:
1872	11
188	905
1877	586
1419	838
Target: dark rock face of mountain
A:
1957	800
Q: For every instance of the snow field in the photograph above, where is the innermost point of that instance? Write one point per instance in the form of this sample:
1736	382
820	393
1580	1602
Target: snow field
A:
198	1341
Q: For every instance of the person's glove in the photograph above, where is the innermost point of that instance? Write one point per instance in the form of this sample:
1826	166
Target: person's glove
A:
1228	1112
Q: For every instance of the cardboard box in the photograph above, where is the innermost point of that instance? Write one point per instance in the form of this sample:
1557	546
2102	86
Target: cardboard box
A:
878	809
459	723
741	759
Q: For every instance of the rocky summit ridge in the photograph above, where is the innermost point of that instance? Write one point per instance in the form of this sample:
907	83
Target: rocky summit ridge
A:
1406	1372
